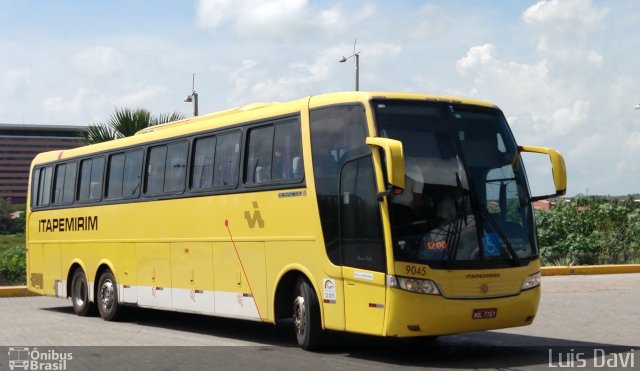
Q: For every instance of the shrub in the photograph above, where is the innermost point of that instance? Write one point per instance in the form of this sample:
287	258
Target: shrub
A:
589	230
13	266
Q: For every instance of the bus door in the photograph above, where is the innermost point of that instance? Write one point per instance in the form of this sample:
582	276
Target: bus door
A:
362	247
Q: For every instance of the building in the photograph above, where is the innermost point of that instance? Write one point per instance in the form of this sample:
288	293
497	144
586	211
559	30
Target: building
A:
19	144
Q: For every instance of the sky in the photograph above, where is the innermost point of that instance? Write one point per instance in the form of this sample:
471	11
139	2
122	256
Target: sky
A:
566	73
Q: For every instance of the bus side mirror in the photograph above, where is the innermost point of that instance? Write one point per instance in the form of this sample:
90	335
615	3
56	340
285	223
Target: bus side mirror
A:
558	169
394	159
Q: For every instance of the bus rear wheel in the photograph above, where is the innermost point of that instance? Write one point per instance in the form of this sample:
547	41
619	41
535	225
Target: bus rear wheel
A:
107	297
306	316
80	294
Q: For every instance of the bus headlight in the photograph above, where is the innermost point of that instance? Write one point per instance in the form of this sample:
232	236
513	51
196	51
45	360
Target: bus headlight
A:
417	285
532	281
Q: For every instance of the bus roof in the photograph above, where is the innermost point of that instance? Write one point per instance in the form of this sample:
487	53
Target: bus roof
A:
237	115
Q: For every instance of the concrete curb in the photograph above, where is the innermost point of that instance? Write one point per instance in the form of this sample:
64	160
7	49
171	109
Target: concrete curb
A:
14	291
590	269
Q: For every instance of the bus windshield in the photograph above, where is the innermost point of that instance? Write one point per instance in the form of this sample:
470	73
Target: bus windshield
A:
465	201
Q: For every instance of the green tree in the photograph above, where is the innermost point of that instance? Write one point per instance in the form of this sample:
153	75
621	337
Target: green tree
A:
125	122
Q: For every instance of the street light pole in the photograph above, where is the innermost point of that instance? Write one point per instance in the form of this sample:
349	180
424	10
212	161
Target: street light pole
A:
357	71
356	55
193	97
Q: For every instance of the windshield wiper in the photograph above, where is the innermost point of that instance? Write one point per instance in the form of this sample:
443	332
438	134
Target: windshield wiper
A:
456	228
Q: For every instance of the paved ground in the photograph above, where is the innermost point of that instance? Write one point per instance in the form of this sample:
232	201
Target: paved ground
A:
590	319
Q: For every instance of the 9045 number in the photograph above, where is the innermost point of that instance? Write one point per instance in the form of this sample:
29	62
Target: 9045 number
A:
414	270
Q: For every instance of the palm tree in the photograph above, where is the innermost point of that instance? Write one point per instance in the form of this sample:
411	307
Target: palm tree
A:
125	122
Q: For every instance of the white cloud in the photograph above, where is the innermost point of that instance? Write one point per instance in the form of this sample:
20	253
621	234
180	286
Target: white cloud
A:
58	106
210	14
568	119
141	96
563	28
501	80
99	60
575	15
16	82
476	56
365	12
276	19
429	23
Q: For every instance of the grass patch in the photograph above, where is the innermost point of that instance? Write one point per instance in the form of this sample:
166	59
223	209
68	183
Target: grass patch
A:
10	240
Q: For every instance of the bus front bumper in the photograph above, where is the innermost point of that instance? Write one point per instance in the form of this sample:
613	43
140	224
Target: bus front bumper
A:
413	314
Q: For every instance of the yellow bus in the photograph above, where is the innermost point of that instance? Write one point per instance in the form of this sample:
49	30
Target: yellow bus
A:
388	214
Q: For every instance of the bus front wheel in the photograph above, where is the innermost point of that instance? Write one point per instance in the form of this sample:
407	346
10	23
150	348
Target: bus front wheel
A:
306	316
107	297
80	294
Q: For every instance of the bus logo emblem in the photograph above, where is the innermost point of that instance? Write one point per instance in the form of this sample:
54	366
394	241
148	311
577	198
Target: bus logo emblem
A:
484	288
254	218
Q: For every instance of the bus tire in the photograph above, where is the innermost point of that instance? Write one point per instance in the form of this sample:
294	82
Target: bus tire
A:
107	297
80	294
306	316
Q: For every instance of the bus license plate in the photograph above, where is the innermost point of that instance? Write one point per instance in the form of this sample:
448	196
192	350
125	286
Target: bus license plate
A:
485	313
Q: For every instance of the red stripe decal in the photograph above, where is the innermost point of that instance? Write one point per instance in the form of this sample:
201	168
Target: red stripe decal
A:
226	224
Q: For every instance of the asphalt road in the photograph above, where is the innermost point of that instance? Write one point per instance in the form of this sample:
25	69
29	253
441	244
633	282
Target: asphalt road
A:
584	321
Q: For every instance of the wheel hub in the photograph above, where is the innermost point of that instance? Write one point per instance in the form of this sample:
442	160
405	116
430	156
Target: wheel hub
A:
299	311
107	294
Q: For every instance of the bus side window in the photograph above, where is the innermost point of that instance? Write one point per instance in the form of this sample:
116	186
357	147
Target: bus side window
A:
91	172
202	163
35	183
45	196
175	167
287	152
41	192
132	173
123	178
58	185
97	170
260	145
155	170
115	175
227	160
64	183
69	183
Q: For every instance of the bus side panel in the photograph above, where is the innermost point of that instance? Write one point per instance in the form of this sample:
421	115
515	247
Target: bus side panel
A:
154	275
240	287
36	268
52	269
126	267
192	277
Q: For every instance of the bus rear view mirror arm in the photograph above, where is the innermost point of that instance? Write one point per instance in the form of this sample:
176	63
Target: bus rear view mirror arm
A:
558	169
